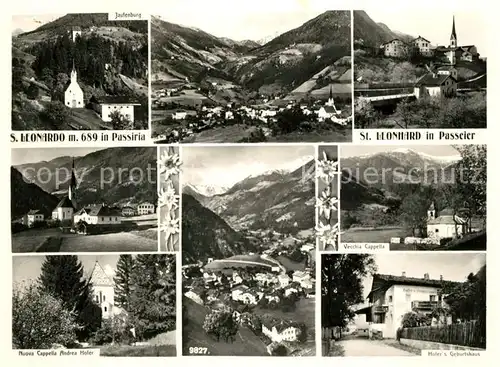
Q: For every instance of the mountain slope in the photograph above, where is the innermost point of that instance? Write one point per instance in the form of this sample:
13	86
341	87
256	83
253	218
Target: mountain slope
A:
113	176
205	234
368	32
283	201
26	196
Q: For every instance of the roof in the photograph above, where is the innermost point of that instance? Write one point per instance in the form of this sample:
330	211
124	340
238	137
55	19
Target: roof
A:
99	276
330	109
453	32
382	282
33	212
280	325
115	100
99	209
431	79
467	48
446	219
421	38
240	286
395	39
446	67
65	203
76	28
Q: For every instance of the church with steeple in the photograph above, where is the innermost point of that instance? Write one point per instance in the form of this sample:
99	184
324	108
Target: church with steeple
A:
65	209
103	289
73	96
456	53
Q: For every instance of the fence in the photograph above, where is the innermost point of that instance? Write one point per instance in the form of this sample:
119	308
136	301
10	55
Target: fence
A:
470	334
329	333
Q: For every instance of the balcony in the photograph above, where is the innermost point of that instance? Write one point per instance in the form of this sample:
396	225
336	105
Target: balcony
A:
424	305
380	309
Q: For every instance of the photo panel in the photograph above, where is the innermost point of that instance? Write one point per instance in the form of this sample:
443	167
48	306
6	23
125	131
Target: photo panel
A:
94	305
414	198
239	85
408	75
248	250
403	304
85	71
84	199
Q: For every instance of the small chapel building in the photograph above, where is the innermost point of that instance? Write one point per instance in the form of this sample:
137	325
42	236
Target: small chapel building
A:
73	96
103	291
444	224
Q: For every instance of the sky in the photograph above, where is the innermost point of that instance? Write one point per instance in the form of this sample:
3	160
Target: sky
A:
27	268
35	155
434	150
434	24
223	166
31	22
454	267
254	20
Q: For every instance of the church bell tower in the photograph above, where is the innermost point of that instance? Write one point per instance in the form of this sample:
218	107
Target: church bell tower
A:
453	37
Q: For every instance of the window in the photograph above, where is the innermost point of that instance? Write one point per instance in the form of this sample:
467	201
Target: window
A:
437	230
104	298
432	298
105	309
97	298
390	299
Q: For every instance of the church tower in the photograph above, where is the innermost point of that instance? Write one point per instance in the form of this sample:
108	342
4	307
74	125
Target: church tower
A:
330	99
453	37
431	212
72	185
103	291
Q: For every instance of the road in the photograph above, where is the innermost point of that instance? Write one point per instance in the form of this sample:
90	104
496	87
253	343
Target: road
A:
366	347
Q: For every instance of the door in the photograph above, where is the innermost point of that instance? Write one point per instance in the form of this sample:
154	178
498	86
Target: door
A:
73	103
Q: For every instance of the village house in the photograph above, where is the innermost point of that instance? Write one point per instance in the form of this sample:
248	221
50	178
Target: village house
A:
73	95
98	214
283	280
105	106
444	224
33	216
76	31
145	208
306	248
395	48
209	277
291	289
128	211
434	84
237	279
265	278
103	291
393	296
279	330
423	46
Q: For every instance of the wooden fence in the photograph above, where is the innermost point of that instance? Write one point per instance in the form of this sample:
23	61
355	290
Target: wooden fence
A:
329	333
470	334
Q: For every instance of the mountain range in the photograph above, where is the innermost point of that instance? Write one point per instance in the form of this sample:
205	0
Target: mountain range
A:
281	64
115	176
280	201
372	34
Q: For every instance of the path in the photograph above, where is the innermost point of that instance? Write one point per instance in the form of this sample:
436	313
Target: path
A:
366	347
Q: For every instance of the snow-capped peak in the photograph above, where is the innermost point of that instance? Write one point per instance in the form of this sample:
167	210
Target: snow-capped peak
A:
208	190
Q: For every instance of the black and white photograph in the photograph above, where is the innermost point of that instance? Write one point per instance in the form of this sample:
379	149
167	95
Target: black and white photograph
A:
121	305
400	304
415	68
169	164
248	250
328	178
240	76
414	197
84	199
79	72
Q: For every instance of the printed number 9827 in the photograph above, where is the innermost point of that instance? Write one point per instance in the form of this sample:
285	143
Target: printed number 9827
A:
198	350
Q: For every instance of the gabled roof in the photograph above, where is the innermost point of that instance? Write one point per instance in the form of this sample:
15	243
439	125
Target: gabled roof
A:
34	211
330	109
394	39
243	287
280	325
447	219
65	203
435	80
421	38
382	282
99	276
99	209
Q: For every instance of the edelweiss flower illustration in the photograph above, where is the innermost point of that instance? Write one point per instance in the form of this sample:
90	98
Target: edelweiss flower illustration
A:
168	197
326	203
328	235
170	226
169	164
327	169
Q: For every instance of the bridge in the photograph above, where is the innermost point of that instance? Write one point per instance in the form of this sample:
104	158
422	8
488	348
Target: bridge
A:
387	97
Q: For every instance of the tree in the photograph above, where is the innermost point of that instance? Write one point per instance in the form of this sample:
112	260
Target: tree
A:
57	113
220	323
119	121
32	92
414	319
62	277
407	111
341	286
39	320
123	281
365	114
414	211
152	300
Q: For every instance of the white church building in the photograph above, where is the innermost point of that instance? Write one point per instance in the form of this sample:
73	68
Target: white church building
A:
73	96
103	289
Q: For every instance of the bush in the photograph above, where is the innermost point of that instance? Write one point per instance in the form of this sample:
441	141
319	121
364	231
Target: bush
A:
399	332
444	241
17	227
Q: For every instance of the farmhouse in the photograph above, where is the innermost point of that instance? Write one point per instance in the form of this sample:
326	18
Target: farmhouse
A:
423	46
395	48
435	85
73	96
32	217
98	214
145	208
103	291
393	296
107	105
128	211
279	330
284	280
